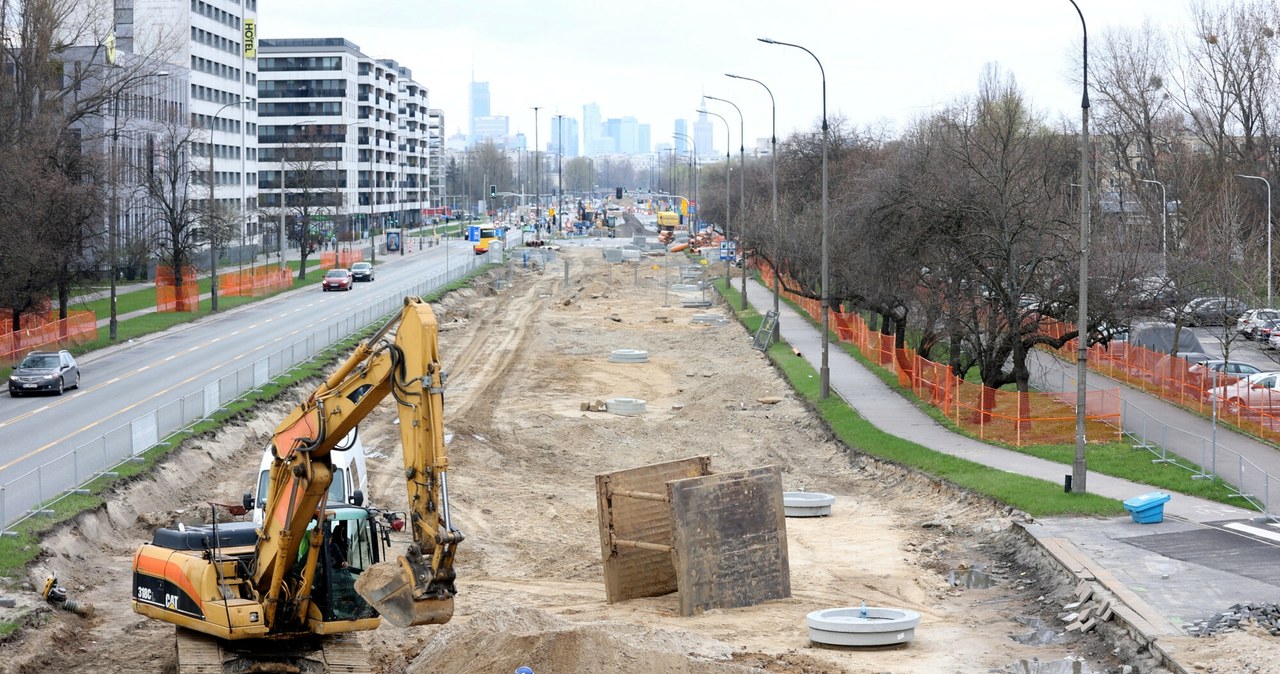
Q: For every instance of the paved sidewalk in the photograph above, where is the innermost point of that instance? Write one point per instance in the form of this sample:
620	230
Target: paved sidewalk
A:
1162	593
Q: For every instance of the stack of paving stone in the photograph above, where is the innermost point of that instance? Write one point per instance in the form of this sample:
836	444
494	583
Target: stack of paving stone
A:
1266	616
1089	609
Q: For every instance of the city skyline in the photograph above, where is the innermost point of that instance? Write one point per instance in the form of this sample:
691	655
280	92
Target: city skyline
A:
937	56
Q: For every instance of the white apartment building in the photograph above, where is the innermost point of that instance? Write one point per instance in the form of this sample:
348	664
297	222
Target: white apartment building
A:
215	41
371	119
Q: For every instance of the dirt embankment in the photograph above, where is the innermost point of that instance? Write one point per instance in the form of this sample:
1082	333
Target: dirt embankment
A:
523	458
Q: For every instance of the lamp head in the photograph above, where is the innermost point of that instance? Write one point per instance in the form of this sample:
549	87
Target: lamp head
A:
766	40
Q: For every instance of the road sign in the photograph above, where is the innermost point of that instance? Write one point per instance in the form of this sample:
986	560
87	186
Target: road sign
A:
728	250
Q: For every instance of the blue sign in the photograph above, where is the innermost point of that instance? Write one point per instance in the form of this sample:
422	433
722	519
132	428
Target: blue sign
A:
728	250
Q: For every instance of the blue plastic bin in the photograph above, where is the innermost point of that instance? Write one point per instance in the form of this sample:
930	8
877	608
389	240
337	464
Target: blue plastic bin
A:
1148	508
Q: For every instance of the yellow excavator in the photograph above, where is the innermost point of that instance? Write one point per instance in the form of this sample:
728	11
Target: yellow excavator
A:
285	596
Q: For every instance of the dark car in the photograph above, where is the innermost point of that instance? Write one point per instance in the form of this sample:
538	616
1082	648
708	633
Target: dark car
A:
1213	310
337	279
45	371
362	271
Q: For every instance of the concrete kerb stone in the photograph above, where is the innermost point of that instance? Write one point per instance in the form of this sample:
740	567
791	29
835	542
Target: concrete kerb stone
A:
1142	623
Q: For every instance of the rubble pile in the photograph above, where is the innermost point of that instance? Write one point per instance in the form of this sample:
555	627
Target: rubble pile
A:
1263	615
1089	609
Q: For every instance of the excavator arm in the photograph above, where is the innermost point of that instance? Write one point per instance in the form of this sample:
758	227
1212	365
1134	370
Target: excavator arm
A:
418	588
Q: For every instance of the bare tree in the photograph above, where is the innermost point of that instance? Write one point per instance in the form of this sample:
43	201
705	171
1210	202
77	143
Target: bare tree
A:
167	183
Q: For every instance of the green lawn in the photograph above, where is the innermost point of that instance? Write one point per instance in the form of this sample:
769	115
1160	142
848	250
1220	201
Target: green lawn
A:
1035	496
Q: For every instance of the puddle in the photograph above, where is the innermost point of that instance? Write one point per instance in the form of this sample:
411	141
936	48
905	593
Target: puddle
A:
1040	635
973	579
1064	666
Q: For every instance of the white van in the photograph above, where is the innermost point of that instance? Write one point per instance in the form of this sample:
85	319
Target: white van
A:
349	475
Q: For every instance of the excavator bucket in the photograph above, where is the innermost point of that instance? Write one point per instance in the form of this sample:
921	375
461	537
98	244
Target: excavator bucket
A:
389	587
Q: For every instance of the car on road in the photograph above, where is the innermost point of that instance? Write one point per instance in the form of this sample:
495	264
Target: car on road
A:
44	372
362	271
337	279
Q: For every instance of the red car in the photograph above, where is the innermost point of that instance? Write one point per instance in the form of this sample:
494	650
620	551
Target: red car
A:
338	279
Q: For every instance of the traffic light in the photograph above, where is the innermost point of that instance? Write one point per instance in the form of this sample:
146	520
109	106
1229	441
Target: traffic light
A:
493	191
619	193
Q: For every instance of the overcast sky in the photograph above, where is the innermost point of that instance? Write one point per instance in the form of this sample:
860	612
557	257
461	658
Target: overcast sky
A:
886	61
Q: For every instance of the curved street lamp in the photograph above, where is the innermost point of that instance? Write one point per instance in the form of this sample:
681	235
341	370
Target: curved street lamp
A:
728	195
213	253
1079	468
742	187
824	372
693	227
773	158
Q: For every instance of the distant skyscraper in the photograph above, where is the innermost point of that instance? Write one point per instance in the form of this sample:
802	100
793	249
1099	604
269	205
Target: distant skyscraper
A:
703	141
570	126
643	141
591	130
479	107
682	130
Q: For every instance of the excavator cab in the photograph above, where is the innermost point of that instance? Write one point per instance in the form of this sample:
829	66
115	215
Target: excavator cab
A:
351	544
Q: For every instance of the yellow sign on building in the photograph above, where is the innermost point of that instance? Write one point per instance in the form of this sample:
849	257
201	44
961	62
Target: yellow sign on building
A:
250	39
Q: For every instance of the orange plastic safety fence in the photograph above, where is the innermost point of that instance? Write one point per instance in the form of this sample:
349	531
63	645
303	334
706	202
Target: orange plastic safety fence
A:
992	414
255	281
46	331
1160	374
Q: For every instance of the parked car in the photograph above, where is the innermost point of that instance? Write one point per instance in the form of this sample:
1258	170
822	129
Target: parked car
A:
337	279
1238	389
1231	368
363	271
1253	319
1262	333
1210	311
44	372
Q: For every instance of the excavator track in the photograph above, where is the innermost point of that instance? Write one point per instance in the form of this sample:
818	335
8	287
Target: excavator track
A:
335	654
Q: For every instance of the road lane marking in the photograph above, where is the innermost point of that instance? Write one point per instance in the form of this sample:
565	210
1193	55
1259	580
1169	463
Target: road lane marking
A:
142	369
1253	531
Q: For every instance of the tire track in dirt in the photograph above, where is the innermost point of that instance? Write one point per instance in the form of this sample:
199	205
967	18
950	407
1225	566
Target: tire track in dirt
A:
477	373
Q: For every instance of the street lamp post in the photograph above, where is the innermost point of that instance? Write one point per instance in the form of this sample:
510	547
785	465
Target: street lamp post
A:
1079	467
693	226
1268	184
1164	228
537	174
773	157
111	222
728	195
742	191
824	372
209	218
560	168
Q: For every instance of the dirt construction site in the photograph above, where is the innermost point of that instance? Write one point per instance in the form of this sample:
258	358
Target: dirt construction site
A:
522	358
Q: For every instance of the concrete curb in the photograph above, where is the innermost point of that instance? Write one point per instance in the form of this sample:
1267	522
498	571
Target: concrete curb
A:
1144	624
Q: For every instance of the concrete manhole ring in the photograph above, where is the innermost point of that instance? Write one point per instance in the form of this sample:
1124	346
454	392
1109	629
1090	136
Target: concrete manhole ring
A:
862	626
806	504
625	406
629	356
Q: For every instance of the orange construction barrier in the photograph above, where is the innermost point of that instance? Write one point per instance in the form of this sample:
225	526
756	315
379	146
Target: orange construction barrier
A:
171	297
1012	417
46	331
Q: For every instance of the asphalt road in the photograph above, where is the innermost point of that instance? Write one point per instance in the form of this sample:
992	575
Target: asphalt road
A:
41	435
